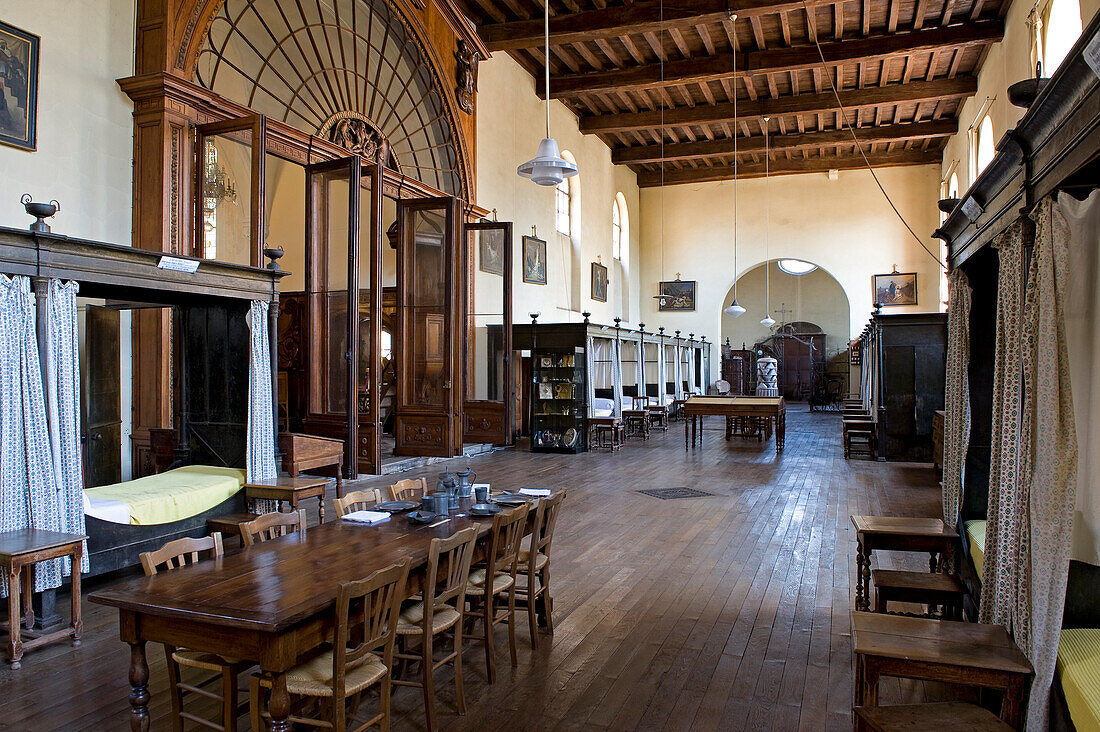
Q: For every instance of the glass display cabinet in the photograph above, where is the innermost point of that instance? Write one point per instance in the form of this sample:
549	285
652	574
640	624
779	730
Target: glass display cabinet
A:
559	408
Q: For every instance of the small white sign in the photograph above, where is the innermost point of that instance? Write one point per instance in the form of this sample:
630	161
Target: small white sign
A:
972	209
178	264
1092	54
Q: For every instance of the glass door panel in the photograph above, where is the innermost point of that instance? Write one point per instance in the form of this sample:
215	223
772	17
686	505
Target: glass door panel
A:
229	190
426	294
489	404
373	373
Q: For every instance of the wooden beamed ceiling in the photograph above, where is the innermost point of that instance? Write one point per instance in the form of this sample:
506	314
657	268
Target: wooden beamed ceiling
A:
656	82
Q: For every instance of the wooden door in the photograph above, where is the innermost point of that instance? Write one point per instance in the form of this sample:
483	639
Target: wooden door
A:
101	397
487	410
429	301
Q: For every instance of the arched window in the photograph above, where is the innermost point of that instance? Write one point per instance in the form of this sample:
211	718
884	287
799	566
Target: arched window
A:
953	186
561	206
616	230
1059	30
982	146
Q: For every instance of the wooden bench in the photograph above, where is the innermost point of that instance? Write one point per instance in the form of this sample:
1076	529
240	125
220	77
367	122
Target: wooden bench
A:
925	588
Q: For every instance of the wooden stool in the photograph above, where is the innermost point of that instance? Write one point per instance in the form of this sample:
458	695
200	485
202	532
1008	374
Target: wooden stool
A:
637	423
658	417
940	716
19	552
606	432
290	490
925	588
229	524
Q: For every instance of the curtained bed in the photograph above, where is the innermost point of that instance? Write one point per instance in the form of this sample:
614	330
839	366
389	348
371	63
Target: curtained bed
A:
222	393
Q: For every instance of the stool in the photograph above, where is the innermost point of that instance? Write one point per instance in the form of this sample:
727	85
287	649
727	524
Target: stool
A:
637	423
939	716
658	418
606	432
926	588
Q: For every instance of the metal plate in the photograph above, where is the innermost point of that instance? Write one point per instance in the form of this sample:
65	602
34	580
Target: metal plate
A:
396	506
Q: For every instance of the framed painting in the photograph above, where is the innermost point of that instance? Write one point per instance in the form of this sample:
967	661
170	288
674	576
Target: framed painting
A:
599	282
18	87
677	295
534	260
490	244
895	289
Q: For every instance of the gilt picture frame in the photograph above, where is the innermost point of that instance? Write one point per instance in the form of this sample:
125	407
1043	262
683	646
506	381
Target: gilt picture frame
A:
18	88
677	296
534	260
894	289
490	244
599	282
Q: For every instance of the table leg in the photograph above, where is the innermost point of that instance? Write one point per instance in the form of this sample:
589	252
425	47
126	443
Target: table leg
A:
321	507
278	704
139	688
862	569
933	562
339	481
685	433
781	433
15	643
1010	705
74	591
27	576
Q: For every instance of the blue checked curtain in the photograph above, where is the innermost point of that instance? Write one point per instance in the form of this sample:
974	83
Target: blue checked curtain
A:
260	449
28	492
63	409
617	375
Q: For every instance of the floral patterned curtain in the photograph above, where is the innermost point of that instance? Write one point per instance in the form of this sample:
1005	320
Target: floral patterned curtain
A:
1003	541
63	409
956	425
28	491
260	442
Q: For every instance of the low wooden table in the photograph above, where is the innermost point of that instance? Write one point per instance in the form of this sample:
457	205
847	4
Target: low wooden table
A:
974	654
21	550
606	427
899	533
229	524
291	490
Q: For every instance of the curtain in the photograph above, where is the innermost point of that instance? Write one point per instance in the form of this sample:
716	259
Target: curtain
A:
956	423
639	368
697	353
27	487
63	405
590	373
260	442
677	373
617	375
1048	466
661	379
1004	550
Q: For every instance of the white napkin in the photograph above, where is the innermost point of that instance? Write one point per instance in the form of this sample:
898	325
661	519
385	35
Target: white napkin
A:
366	517
535	491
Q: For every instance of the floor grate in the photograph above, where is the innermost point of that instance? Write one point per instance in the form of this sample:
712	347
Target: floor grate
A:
666	494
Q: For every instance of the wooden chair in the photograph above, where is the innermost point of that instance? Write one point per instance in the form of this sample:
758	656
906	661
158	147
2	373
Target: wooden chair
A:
438	612
497	577
272	526
357	501
366	616
534	591
408	490
173	555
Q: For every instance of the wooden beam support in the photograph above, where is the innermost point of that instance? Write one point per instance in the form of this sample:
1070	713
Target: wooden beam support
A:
652	178
807	141
825	102
642	17
770	61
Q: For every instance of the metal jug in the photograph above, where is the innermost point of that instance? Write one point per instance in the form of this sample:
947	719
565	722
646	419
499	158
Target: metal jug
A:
466	480
448	485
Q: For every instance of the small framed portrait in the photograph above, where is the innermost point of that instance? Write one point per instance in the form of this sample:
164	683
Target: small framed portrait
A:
18	87
677	295
490	247
895	289
599	282
534	260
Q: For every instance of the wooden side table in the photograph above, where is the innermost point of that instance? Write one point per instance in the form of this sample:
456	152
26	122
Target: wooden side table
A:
975	654
19	552
899	533
291	490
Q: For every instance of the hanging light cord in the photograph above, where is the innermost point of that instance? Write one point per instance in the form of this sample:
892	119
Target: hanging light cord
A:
734	169
661	132
546	31
859	147
767	225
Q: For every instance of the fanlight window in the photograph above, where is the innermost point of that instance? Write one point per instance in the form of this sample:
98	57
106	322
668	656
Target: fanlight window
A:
796	266
347	69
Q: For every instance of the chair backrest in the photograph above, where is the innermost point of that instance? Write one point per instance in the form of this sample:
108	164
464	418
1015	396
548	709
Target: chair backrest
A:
408	490
181	552
451	555
357	500
505	539
546	517
374	603
272	526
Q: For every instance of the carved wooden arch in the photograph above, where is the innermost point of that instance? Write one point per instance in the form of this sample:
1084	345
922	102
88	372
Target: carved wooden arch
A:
194	18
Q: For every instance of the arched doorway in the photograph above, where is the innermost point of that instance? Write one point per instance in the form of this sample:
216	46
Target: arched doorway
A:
811	331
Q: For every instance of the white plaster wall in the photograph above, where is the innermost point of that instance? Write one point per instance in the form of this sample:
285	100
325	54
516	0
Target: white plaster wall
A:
510	124
845	227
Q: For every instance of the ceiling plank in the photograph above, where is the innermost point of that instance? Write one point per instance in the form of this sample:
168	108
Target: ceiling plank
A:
652	179
641	17
962	86
713	68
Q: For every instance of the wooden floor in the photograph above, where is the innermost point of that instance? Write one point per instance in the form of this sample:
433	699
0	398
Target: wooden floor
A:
726	612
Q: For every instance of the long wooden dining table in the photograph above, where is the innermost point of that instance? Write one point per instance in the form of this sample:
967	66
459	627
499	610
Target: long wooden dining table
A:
771	410
271	603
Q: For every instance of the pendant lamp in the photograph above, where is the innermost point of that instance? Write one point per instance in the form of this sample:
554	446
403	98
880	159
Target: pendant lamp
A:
735	309
767	320
548	167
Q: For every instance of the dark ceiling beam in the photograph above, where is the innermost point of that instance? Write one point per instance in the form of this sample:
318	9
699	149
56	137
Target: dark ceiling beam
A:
775	60
623	20
652	178
917	91
806	141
